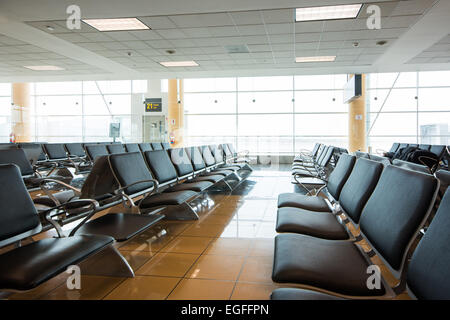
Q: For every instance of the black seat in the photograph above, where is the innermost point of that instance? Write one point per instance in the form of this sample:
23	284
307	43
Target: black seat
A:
28	266
166	145
115	148
354	195
55	151
132	147
438	150
428	273
396	210
75	150
166	174
411	166
196	157
96	150
334	185
157	146
145	146
425	147
360	154
394	147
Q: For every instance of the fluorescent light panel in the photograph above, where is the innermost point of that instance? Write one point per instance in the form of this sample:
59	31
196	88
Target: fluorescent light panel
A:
328	12
44	68
316	59
179	64
116	24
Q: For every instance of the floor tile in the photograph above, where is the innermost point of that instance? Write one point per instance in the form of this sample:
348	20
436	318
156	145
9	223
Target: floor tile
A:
229	246
184	244
257	269
149	242
262	247
216	219
197	289
144	288
252	291
168	264
92	288
136	258
203	230
41	290
216	267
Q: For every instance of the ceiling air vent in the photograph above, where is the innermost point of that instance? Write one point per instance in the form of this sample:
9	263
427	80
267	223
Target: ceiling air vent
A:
237	49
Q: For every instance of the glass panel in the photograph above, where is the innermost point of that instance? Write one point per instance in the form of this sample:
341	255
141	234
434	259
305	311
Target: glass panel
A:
139	86
59	126
58	105
265	102
320	101
5	127
209	84
406	79
119	104
265	125
210	103
57	88
400	100
210	125
321	124
434	99
116	87
433	125
97	126
394	124
383	144
434	78
308	142
263	144
5	89
382	80
95	105
5	106
336	81
265	83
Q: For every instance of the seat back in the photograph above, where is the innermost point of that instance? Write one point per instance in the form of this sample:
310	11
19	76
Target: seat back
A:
428	275
231	148
438	150
411	166
33	151
228	153
402	145
181	162
132	147
444	178
359	186
75	149
96	150
115	148
394	147
415	145
383	160
339	175
315	149
208	156
145	146
425	147
166	145
396	210
328	155
360	154
55	151
18	216
157	146
129	168
17	157
161	166
217	153
196	158
100	180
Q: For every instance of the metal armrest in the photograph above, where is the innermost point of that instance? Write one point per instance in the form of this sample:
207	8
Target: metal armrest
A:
380	151
76	191
126	198
93	206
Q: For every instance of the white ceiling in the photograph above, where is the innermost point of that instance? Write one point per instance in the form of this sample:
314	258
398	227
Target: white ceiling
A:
201	31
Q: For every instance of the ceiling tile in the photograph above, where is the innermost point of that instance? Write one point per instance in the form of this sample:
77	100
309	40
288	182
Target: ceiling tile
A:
171	33
278	16
121	36
246	17
157	23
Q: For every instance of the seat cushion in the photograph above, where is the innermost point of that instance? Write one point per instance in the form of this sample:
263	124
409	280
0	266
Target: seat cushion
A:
212	178
62	197
300	294
224	171
167	198
27	267
194	186
305	173
233	165
296	200
333	265
317	224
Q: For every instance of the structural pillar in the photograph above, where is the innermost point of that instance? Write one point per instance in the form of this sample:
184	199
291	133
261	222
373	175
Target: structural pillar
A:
357	120
20	113
176	112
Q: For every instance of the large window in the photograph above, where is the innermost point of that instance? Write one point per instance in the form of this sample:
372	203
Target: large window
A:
266	114
5	111
82	110
411	107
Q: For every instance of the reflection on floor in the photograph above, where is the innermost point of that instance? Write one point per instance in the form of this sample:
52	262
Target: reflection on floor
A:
227	254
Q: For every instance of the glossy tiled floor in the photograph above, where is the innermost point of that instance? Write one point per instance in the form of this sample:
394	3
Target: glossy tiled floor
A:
226	254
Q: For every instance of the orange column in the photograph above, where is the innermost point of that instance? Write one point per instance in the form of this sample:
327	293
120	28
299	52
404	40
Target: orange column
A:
20	113
176	111
357	121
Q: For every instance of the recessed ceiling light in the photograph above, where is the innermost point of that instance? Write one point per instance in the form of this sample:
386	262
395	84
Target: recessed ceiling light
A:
179	64
44	68
316	59
328	12
116	24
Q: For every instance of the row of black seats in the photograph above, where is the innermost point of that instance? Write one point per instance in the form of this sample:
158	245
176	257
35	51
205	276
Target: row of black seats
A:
152	185
389	205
